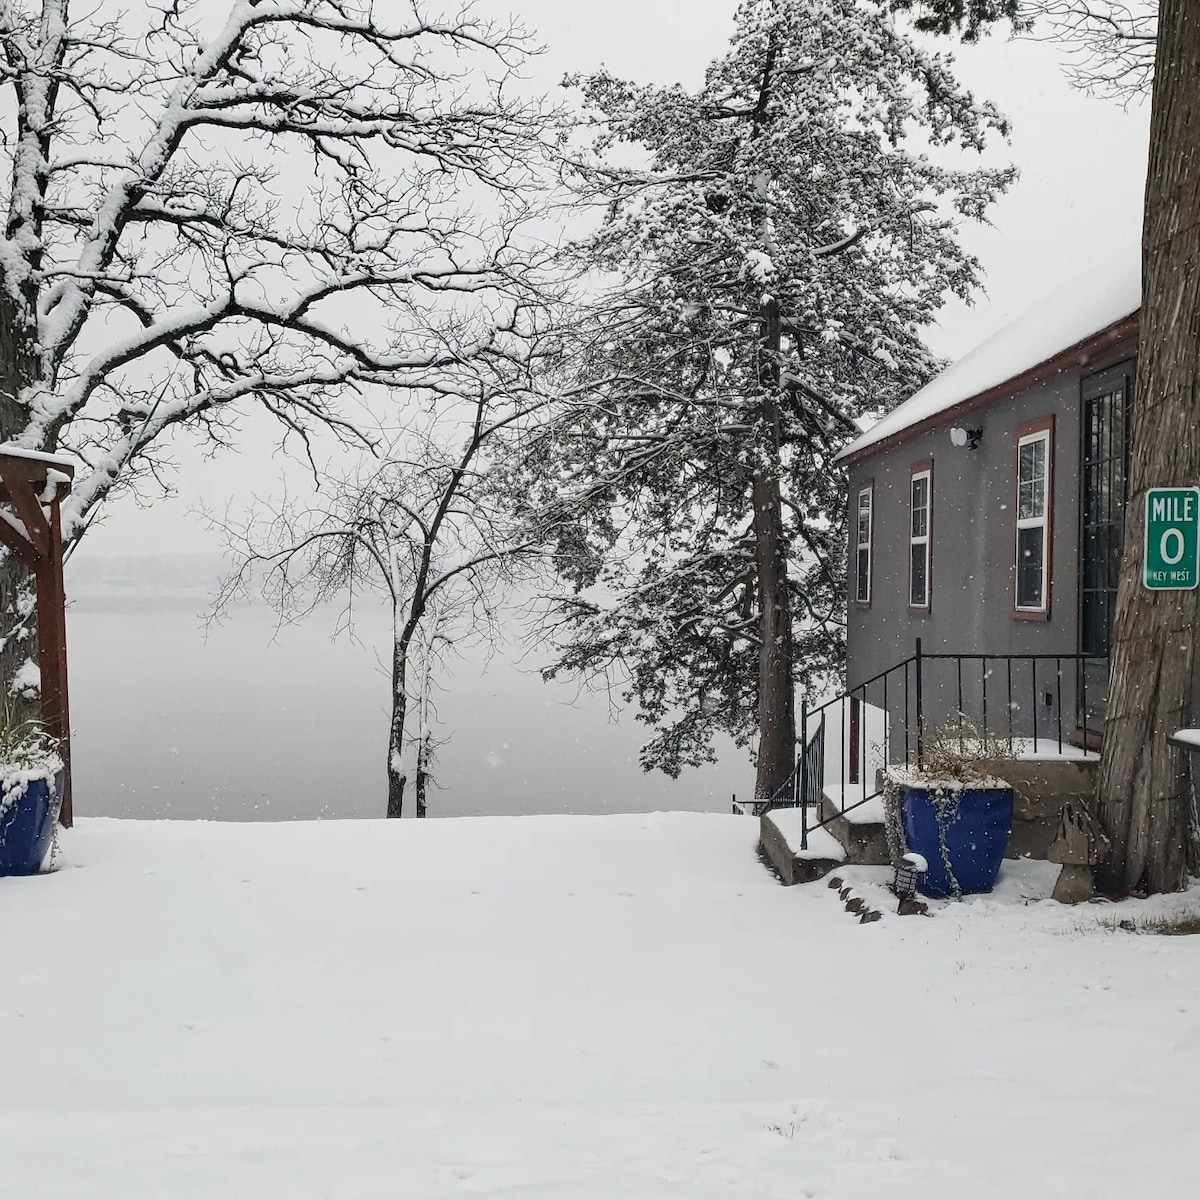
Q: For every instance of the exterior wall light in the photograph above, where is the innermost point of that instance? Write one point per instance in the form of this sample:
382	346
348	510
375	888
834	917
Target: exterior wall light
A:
961	436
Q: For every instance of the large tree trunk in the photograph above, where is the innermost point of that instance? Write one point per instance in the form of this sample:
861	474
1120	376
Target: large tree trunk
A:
18	618
1142	777
776	701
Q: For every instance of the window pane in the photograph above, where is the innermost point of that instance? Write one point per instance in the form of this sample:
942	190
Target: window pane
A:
863	592
1031	480
1029	567
918	595
1113	555
1029	501
920	506
1026	462
1033	459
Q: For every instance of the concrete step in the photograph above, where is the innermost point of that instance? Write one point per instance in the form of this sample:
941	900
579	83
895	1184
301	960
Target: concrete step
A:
780	844
860	831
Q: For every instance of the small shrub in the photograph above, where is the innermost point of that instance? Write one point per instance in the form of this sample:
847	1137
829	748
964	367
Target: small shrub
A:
27	752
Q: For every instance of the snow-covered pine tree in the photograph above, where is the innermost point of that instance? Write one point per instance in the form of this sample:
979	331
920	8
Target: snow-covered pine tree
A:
789	232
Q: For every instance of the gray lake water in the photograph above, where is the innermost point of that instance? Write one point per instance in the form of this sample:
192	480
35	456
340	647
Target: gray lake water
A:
251	723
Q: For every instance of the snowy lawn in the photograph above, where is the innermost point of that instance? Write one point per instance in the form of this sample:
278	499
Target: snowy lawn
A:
550	1008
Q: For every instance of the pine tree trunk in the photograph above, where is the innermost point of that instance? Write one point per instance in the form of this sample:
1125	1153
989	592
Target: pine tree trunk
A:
776	701
1142	777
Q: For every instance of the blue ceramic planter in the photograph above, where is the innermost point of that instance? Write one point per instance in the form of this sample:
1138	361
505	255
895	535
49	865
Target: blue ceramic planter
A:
976	833
27	828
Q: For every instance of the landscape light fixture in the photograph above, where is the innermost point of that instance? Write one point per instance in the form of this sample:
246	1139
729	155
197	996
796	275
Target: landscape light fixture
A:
962	436
908	869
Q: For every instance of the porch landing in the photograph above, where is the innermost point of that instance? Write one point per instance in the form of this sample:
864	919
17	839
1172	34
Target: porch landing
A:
1042	781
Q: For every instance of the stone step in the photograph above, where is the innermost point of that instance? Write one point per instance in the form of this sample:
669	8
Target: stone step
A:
860	831
780	844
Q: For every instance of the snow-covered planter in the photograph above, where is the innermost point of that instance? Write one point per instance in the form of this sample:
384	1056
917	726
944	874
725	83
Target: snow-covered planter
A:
31	776
953	813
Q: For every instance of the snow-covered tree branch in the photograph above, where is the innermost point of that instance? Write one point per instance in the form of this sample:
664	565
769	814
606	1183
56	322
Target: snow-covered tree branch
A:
1111	42
271	202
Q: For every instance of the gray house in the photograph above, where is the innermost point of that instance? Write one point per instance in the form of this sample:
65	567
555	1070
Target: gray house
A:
986	523
985	535
986	520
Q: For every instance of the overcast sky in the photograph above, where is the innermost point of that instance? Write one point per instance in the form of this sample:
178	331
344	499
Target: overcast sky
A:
1082	163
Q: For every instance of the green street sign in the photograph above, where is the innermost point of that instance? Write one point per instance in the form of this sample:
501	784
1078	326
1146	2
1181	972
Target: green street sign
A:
1172	553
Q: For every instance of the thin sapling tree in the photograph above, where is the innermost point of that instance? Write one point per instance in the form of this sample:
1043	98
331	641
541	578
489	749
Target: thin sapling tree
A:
438	527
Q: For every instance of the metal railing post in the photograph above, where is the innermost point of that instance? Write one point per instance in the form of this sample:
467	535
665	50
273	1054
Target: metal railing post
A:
1058	699
803	772
920	708
983	678
1008	671
855	735
1033	685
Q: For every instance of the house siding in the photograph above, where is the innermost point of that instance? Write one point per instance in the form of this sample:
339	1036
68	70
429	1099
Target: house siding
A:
973	548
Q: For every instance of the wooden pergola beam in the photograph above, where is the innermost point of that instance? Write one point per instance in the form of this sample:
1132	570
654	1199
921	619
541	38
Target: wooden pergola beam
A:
34	486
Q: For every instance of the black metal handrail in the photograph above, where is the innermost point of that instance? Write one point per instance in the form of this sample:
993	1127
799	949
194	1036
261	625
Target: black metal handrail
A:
904	692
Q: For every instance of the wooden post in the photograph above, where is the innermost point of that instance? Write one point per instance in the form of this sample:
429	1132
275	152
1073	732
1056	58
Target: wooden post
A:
25	481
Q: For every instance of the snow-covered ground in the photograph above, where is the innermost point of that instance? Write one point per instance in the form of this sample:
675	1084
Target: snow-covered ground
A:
550	1008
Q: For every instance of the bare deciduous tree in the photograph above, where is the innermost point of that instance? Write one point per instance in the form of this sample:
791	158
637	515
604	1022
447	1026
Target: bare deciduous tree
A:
1110	42
277	208
438	527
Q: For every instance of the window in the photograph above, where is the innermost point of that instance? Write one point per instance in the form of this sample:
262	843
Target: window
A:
862	549
1033	518
1103	487
921	493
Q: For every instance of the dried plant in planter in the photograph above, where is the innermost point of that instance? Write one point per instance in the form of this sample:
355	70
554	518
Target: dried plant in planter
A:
27	753
956	757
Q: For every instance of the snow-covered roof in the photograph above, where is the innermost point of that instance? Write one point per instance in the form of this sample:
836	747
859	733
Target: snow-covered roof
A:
11	450
1105	294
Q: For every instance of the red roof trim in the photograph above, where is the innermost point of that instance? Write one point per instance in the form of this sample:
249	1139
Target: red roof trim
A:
1072	356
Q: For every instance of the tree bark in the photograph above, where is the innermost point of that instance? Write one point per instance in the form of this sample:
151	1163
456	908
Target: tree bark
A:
424	755
18	623
1142	777
397	779
776	701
